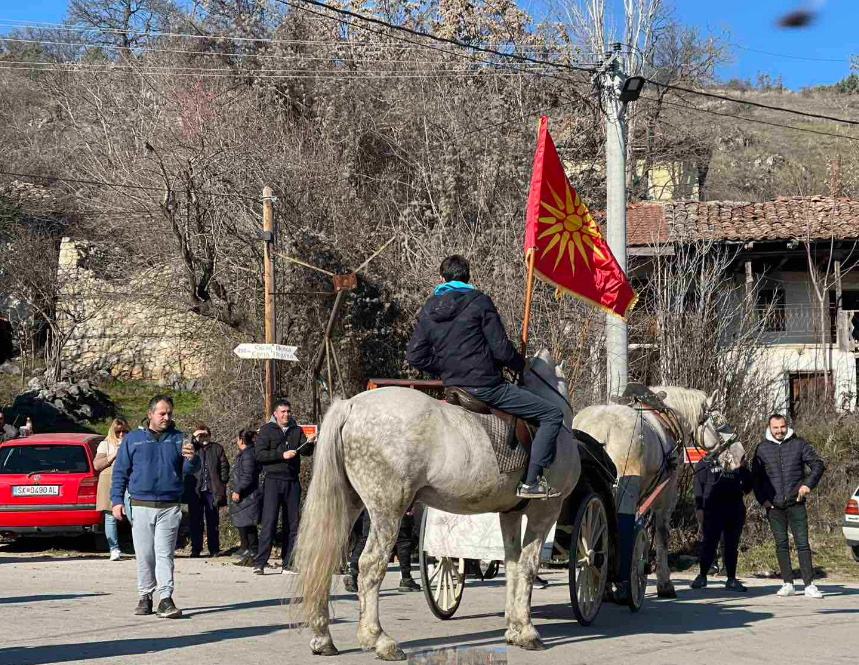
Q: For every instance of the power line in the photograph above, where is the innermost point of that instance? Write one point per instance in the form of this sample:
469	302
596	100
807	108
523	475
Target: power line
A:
119	185
436	38
755	120
36	25
713	95
332	75
792	57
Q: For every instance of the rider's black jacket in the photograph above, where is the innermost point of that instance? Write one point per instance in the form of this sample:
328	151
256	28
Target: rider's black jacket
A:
459	336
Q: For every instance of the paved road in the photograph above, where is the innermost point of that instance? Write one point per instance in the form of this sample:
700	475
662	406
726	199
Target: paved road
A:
79	609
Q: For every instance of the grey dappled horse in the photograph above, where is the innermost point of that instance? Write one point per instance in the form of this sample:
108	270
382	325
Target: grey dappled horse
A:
384	449
638	444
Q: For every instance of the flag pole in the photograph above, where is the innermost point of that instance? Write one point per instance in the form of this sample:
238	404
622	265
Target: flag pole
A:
529	287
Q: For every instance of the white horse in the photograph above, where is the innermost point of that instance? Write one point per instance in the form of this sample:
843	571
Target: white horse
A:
384	449
639	444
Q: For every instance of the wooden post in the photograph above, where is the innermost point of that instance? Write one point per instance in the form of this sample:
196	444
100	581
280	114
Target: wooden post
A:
750	291
529	287
268	284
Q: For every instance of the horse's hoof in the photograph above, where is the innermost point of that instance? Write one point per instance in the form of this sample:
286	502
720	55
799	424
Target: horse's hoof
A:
391	653
533	645
327	650
666	592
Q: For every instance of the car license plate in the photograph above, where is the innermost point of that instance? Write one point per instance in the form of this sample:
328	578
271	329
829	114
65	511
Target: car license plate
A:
35	490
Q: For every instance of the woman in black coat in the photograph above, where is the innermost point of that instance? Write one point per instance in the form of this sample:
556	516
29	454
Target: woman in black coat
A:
246	504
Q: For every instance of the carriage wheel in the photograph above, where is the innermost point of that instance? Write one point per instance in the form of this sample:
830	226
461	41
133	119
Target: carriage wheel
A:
443	579
589	558
488	569
640	570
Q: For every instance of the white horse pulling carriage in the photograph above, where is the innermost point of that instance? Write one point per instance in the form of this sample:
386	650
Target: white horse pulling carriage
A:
588	522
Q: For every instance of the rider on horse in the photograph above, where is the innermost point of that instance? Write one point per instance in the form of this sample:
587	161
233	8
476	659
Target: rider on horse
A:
459	336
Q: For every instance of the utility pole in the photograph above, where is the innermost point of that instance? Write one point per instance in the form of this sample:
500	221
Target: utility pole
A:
268	284
617	337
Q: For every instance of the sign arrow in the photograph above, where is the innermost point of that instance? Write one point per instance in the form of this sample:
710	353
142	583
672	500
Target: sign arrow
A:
266	352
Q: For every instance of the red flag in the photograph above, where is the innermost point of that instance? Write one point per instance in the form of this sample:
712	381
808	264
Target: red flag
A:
570	252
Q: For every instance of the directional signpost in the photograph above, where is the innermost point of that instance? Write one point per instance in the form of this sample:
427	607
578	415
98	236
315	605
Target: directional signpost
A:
266	352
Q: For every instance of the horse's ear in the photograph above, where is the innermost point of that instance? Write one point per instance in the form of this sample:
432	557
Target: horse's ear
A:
562	366
711	400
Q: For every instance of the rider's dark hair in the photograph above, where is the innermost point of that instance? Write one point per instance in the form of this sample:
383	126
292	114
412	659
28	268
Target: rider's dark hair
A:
455	269
776	416
282	401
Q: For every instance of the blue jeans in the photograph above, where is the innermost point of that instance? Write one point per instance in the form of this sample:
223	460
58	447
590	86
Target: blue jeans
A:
111	532
528	406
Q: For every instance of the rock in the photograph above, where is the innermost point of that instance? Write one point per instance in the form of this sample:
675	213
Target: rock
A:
9	368
35	383
58	403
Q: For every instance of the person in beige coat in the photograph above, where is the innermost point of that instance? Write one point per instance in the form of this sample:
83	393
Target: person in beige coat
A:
105	455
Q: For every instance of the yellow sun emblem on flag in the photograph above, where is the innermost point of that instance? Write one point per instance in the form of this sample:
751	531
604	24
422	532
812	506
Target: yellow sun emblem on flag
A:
572	228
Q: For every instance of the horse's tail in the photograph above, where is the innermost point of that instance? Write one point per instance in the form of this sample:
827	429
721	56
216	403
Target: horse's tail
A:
326	519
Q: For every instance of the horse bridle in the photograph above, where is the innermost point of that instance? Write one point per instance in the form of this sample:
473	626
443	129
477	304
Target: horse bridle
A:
715	418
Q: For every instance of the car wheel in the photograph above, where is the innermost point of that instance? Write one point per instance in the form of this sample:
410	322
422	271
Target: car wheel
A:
855	550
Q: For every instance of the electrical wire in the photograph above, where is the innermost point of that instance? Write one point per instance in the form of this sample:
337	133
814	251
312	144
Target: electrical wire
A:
792	57
120	185
755	120
713	95
436	38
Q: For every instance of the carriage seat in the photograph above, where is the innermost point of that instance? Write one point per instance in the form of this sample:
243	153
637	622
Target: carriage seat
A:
525	430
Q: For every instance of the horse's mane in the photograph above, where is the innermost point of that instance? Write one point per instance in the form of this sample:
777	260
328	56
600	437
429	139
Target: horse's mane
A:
687	403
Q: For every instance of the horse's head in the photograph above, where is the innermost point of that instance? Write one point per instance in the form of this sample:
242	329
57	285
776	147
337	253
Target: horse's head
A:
713	432
547	379
701	418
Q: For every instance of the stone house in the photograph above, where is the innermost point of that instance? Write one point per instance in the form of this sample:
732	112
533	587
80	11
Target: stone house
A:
811	341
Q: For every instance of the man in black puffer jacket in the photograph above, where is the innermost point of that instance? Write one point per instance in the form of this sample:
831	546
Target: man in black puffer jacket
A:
459	336
781	485
279	446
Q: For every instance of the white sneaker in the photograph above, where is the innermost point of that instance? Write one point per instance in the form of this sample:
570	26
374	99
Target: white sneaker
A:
115	555
811	591
786	590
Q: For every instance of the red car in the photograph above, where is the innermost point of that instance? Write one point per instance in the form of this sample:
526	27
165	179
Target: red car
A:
48	485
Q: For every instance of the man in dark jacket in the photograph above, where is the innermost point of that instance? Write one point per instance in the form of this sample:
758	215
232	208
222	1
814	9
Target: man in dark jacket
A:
208	491
720	483
279	446
459	336
150	464
781	485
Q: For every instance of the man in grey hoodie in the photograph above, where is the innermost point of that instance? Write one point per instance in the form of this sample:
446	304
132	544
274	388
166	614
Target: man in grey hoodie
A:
781	485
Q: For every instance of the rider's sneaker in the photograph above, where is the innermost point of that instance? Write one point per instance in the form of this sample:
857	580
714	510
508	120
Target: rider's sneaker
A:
538	490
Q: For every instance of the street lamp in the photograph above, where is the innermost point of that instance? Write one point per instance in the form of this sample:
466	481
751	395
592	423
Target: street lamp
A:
632	88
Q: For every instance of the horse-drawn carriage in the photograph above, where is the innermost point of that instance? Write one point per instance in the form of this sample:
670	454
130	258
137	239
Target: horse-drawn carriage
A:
585	537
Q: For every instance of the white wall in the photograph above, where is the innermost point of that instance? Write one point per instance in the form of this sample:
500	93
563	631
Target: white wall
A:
783	359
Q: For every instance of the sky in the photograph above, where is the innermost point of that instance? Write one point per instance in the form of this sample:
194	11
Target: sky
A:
750	23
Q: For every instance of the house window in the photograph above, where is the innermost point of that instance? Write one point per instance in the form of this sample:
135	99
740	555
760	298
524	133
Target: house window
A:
809	393
771	305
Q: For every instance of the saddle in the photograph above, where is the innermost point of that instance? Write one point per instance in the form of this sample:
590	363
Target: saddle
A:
518	430
639	396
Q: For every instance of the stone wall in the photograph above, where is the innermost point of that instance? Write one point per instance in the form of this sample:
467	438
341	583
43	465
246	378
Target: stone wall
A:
119	329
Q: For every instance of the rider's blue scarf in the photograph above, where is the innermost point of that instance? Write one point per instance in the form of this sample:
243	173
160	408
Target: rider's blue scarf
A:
452	286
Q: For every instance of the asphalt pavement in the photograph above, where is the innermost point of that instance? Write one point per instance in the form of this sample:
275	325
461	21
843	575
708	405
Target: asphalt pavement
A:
79	609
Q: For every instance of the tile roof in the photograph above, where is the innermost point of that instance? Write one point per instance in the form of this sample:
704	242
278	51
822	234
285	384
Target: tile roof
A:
785	218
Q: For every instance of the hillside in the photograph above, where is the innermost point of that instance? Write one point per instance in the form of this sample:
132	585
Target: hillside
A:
754	161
